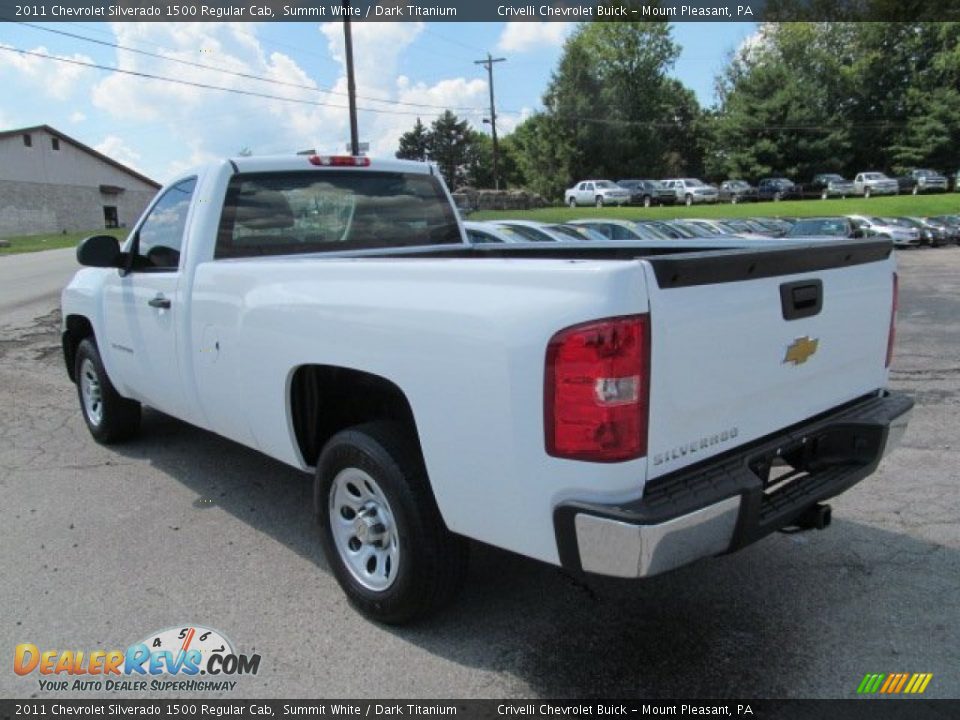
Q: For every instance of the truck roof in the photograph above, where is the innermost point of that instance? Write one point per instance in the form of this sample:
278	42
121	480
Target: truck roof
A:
280	163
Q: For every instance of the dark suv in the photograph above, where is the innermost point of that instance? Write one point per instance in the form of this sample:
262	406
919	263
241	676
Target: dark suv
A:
778	189
648	192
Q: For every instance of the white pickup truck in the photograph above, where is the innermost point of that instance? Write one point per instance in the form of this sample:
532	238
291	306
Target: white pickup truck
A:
614	408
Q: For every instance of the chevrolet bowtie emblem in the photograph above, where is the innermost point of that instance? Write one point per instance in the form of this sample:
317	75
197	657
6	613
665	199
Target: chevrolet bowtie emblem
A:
800	350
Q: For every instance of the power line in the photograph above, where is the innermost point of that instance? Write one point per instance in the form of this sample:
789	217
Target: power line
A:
237	73
205	86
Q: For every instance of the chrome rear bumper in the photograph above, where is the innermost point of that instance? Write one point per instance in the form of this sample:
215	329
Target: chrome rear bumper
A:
728	502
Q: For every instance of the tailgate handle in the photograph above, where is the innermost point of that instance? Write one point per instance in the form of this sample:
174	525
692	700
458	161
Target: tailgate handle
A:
801	299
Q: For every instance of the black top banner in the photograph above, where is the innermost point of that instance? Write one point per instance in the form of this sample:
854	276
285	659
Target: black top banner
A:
483	709
483	10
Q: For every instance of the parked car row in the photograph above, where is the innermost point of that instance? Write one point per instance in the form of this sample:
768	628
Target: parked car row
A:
902	231
692	191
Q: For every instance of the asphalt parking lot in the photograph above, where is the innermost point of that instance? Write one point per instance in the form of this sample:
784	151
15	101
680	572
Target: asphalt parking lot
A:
100	546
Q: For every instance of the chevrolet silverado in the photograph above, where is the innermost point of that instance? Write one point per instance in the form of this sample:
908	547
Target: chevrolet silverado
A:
618	408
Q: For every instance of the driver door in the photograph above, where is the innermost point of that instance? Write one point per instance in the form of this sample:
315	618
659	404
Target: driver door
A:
143	307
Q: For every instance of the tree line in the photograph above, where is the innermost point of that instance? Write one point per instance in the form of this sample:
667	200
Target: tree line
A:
795	100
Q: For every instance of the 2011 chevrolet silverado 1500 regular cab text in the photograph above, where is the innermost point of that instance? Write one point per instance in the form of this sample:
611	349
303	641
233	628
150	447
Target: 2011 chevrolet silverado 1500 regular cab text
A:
618	408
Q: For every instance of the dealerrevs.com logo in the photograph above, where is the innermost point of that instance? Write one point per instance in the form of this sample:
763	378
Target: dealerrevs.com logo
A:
171	660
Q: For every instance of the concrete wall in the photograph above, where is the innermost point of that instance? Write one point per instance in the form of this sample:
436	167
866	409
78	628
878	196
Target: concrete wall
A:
43	190
34	208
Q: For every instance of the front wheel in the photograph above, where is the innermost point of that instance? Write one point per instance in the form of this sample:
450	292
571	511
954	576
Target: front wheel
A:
572	202
646	201
598	202
733	200
823	195
380	527
110	417
866	193
915	190
688	200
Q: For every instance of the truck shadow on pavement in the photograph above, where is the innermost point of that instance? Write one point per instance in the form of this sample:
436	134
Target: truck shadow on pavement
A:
792	616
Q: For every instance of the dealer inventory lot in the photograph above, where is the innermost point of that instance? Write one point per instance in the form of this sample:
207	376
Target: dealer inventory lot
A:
101	546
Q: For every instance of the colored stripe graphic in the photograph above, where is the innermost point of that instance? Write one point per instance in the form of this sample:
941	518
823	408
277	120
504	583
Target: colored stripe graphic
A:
894	683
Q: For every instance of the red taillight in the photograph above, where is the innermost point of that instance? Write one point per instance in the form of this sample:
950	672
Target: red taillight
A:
340	160
893	319
597	386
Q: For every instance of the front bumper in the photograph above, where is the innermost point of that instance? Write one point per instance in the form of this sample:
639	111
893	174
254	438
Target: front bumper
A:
728	502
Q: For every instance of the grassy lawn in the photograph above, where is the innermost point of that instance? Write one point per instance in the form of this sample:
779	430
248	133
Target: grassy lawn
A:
35	243
920	205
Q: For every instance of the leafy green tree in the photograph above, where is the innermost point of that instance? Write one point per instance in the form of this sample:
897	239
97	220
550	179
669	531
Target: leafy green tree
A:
414	143
464	156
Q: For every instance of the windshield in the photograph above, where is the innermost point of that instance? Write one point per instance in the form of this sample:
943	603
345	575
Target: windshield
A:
651	232
874	176
693	182
833	227
527	233
833	178
604	184
737	184
296	212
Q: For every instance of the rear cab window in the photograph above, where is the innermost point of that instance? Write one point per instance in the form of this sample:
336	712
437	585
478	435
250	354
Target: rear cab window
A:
288	213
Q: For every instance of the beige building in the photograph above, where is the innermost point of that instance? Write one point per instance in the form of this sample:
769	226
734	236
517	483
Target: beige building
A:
51	183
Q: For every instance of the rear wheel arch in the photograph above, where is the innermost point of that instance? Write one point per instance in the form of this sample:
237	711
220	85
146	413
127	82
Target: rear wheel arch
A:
325	399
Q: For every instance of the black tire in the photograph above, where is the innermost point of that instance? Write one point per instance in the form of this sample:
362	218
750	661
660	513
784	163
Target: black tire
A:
777	197
572	203
866	193
733	200
688	200
598	202
432	561
114	418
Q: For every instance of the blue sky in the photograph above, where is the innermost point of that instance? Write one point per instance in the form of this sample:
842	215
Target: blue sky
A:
404	70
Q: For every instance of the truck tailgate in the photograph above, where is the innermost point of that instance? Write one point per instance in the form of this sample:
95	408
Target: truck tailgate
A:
747	343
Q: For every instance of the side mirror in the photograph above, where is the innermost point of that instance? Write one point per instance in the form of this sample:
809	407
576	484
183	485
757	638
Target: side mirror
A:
99	251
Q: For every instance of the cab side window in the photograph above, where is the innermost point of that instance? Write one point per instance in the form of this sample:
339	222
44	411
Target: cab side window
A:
160	238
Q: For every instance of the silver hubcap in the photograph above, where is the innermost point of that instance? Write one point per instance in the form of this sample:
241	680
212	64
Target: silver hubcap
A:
91	392
364	530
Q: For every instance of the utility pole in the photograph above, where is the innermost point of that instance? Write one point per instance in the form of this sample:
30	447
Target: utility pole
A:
488	64
351	83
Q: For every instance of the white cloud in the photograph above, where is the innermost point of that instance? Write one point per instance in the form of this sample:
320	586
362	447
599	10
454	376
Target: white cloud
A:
55	79
522	36
507	122
114	147
77	117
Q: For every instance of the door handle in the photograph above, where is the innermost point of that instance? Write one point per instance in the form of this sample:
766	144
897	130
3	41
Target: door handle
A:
159	302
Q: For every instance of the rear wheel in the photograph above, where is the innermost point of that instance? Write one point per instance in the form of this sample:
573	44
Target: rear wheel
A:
381	530
823	195
110	417
688	200
915	190
646	201
733	200
777	197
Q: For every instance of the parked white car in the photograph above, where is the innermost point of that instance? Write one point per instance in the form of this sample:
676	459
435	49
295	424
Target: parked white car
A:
612	408
691	191
878	227
874	183
596	192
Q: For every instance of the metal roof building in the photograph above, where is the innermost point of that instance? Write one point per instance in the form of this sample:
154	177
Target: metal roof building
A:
51	183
